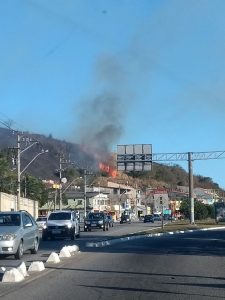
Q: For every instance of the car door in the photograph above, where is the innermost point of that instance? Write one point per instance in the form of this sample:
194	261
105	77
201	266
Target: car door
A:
29	231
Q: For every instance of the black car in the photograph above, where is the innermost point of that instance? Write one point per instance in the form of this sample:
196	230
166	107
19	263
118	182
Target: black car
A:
148	218
125	219
96	220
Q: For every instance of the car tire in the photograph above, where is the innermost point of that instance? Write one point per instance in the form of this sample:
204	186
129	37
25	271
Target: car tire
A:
19	252
34	250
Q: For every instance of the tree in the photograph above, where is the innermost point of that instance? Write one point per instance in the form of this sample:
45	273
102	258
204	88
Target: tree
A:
35	189
185	208
201	211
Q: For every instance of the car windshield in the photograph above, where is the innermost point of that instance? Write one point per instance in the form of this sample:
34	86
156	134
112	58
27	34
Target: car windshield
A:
95	216
41	219
9	220
60	216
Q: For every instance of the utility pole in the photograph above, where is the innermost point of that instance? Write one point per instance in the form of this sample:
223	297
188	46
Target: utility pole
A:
191	193
162	215
18	173
85	193
60	182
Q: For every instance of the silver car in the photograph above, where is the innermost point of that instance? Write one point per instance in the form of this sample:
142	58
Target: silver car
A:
18	233
61	224
41	222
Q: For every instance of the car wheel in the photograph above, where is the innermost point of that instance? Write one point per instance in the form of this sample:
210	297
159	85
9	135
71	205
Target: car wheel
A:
19	252
34	250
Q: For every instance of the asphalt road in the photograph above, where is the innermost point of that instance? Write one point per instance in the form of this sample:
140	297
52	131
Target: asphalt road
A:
46	247
180	266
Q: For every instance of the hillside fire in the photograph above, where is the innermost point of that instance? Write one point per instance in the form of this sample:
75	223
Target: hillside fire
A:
107	169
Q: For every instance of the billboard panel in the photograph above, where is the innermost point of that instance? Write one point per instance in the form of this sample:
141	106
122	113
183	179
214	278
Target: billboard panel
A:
137	157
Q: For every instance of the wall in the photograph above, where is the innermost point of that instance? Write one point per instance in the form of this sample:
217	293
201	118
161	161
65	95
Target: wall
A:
9	202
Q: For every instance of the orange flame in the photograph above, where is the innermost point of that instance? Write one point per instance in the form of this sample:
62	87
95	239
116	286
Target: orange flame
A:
106	168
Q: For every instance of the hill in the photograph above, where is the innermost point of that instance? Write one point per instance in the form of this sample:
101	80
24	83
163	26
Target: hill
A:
46	166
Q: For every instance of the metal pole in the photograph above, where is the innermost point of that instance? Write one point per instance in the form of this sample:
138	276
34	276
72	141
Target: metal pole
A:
162	214
191	194
60	182
55	197
18	173
85	194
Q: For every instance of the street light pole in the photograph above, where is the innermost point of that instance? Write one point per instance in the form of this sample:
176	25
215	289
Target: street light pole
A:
85	193
60	182
18	173
191	186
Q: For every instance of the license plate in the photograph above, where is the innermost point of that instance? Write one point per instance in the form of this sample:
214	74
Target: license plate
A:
93	225
56	231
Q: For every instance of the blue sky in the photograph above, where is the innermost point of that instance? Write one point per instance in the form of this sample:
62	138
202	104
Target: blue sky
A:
130	71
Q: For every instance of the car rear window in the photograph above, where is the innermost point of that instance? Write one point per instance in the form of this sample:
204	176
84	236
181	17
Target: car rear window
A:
9	220
95	216
60	216
41	219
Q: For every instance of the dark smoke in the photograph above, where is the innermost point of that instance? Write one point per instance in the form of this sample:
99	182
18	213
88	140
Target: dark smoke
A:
102	113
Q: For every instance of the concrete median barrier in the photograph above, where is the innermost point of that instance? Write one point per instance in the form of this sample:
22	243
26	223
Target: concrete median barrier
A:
13	275
64	252
73	249
23	269
53	258
36	266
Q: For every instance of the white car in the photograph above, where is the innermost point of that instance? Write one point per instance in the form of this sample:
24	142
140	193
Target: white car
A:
61	224
41	221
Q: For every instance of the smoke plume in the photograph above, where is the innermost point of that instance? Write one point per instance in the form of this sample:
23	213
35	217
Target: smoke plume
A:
102	112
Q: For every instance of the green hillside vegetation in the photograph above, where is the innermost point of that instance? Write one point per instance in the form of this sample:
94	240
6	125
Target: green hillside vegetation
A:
47	167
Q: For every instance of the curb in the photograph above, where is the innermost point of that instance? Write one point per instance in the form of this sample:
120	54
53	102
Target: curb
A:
128	238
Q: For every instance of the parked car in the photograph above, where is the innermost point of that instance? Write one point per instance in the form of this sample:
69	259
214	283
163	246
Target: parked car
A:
148	218
18	233
61	224
111	221
96	220
41	222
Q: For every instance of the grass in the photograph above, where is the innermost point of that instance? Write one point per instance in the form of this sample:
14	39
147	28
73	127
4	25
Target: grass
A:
184	225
